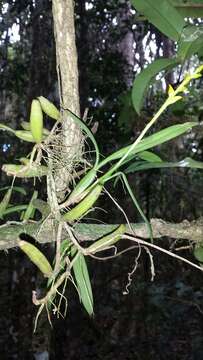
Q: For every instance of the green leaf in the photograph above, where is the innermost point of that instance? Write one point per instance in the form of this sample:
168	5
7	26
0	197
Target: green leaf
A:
188	8
23	171
144	79
83	283
198	253
36	256
15	188
5	202
108	240
65	246
163	15
26	126
15	208
148	142
65	249
191	42
43	207
149	156
30	211
187	162
4	127
125	100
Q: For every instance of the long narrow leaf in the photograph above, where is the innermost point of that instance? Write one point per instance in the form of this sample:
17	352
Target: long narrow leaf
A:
83	283
5	202
137	206
144	79
187	162
4	127
149	156
15	188
15	208
149	142
30	211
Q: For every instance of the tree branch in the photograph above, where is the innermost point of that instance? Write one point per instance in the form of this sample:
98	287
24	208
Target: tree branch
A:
42	231
67	68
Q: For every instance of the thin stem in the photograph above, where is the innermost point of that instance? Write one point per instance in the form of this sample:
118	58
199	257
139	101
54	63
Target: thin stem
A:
134	201
137	205
58	250
72	238
136	142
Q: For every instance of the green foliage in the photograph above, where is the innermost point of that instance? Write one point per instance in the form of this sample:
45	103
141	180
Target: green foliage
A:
81	275
198	253
145	165
145	78
191	42
189	37
99	90
162	15
15	188
30	211
5	202
37	257
188	8
89	189
151	141
149	156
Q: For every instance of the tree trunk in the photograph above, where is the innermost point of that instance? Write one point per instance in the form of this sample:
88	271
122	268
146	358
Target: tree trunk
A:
67	68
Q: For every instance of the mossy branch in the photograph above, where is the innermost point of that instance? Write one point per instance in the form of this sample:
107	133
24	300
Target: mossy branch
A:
43	231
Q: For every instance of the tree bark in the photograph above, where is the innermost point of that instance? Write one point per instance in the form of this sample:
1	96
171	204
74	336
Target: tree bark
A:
67	69
43	232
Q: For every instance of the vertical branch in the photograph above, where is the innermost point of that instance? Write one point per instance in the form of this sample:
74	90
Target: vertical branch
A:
67	67
66	53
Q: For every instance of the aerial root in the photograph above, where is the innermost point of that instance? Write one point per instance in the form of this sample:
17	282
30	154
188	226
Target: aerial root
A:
131	273
156	247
